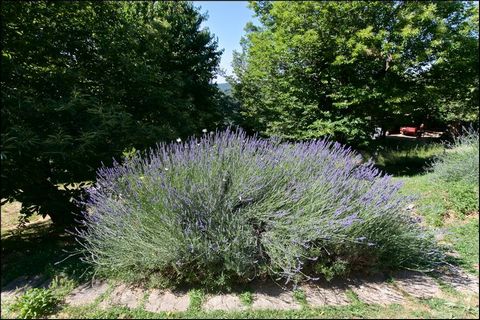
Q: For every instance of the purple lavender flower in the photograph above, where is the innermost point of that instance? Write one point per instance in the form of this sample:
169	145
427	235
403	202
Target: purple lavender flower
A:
236	204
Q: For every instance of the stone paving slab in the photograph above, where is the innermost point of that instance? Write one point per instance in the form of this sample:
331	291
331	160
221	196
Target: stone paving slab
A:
376	292
325	294
86	293
460	280
227	302
167	301
271	296
268	295
417	284
124	296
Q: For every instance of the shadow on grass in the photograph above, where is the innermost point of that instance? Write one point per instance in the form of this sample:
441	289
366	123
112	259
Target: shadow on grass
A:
36	249
403	157
405	165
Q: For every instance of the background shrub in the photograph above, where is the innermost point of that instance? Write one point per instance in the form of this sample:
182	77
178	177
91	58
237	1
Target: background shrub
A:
227	207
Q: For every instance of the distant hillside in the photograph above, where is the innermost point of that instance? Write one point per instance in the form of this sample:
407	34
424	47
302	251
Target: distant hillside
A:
225	87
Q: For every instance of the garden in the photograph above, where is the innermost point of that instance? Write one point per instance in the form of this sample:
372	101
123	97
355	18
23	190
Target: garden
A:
227	215
132	187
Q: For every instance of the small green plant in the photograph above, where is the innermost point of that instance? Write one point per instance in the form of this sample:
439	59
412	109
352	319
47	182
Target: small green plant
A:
197	297
35	303
353	297
62	285
300	297
390	280
337	268
129	153
246	298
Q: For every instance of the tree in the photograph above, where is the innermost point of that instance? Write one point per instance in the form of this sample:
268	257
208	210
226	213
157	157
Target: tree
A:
83	81
342	68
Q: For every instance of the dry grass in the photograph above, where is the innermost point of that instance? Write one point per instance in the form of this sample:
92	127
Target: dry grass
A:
10	212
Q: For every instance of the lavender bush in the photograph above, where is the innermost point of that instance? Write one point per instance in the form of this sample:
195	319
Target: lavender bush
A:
227	207
460	160
457	171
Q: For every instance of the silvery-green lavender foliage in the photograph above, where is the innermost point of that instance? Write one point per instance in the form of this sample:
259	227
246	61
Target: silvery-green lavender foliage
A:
460	160
457	170
230	206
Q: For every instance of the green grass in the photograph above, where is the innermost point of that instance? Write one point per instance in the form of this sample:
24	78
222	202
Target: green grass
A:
465	241
434	204
34	303
197	296
431	202
428	308
246	298
403	157
353	297
300	296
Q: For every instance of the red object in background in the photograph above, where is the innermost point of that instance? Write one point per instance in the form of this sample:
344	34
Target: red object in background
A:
409	131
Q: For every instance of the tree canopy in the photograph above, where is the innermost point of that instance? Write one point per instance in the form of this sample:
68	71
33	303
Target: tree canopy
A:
83	81
342	68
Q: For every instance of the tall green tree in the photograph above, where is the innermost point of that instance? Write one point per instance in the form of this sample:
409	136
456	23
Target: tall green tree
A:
342	68
82	81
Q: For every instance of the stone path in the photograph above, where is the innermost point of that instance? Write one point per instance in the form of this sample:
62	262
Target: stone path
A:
324	294
86	293
376	290
459	280
167	301
417	285
272	296
228	302
371	290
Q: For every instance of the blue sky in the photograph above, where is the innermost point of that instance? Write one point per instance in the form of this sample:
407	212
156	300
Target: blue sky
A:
226	20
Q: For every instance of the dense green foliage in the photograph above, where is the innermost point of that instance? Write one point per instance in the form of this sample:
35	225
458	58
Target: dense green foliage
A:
343	68
35	303
227	208
81	82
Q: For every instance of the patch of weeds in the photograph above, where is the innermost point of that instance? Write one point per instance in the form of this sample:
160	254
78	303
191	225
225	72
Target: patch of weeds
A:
462	197
448	309
144	299
246	298
300	296
465	241
61	286
430	200
337	268
197	296
353	297
35	303
446	287
105	295
434	308
404	157
115	312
